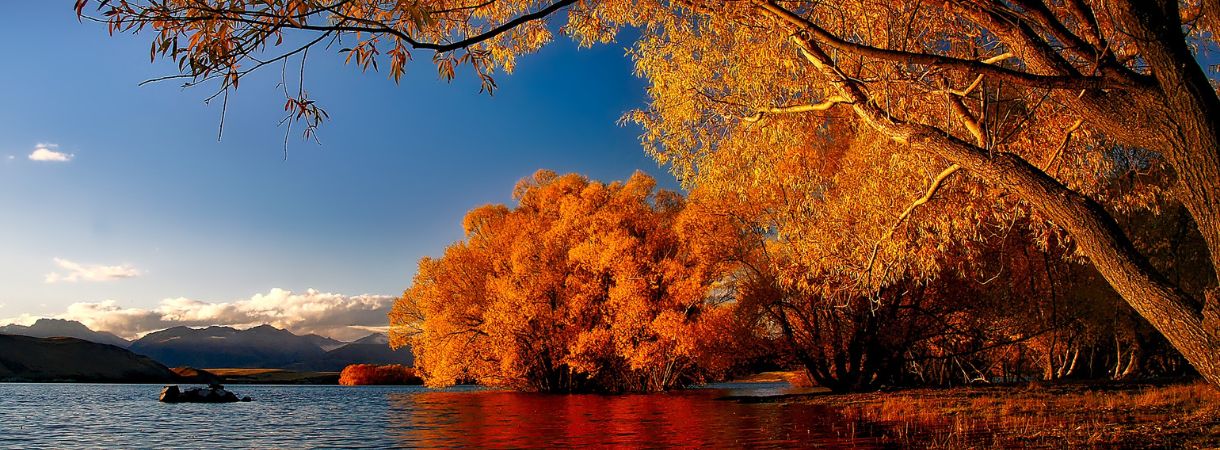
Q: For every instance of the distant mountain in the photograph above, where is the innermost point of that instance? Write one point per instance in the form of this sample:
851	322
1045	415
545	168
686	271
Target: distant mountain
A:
375	338
45	328
371	349
224	347
324	342
65	359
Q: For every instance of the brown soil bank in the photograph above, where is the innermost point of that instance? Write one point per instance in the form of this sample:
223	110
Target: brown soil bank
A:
1038	416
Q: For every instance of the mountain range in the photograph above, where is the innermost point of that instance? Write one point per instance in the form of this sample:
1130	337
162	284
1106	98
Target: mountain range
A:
225	347
45	328
263	346
371	349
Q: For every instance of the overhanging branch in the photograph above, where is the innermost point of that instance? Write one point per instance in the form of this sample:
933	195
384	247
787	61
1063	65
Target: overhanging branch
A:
812	30
825	105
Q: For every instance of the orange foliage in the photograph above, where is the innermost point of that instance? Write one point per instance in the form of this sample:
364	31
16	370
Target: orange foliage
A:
875	144
372	374
581	286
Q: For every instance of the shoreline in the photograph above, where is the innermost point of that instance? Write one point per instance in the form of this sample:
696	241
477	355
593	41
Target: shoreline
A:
1156	414
1055	415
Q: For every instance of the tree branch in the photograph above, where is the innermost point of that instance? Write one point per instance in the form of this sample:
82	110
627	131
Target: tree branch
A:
1096	235
927	196
1067	137
496	31
369	26
811	30
827	104
979	79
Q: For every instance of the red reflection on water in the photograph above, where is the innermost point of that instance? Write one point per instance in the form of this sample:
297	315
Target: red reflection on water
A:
687	419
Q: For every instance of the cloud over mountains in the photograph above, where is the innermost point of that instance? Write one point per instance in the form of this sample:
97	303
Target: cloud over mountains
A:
74	271
339	316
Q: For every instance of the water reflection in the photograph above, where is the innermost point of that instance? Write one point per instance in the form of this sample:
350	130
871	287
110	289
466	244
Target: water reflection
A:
57	416
686	419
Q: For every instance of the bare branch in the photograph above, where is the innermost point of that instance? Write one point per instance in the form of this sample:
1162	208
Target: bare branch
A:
973	125
498	30
1067	137
825	105
927	196
979	79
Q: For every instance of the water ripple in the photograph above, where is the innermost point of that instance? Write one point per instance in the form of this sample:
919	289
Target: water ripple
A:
129	416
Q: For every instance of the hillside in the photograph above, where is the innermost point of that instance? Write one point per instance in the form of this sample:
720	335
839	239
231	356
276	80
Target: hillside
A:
65	359
45	328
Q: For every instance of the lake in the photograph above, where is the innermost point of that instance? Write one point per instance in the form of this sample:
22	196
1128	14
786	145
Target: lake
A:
129	416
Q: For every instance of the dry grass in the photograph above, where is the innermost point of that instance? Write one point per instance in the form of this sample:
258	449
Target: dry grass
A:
243	372
274	376
1055	416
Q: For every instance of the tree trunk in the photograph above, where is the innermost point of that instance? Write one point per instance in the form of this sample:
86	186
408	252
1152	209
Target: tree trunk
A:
1192	131
1097	236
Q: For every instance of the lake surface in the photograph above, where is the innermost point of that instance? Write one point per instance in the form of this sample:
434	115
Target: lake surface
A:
129	416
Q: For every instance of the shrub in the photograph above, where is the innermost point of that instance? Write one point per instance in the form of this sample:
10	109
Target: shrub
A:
371	374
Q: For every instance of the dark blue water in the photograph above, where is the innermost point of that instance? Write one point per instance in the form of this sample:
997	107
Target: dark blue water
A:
129	416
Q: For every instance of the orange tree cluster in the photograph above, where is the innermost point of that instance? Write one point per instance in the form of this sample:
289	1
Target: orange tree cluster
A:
581	286
586	286
373	374
879	145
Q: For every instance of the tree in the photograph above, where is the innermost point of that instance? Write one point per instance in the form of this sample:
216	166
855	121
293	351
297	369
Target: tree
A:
373	374
1027	98
581	286
979	88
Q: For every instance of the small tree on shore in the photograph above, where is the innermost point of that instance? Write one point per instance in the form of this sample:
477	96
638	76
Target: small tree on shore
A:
373	374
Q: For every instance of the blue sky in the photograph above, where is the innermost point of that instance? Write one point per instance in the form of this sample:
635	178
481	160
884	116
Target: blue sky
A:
152	201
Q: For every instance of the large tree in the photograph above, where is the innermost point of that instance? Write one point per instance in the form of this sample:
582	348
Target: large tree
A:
1026	97
579	286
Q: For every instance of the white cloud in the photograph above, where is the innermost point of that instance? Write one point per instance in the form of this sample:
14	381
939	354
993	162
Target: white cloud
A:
81	272
48	153
339	316
24	319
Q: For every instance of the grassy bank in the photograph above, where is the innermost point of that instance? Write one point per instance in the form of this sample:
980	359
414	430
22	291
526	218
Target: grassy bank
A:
274	376
1047	416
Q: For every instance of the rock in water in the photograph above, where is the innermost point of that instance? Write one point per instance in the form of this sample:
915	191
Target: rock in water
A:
214	393
170	394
